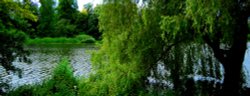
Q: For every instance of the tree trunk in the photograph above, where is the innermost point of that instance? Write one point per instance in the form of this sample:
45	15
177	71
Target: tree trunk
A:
231	84
234	58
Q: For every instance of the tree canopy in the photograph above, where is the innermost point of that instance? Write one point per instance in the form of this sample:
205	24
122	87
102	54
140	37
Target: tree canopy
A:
47	18
217	24
13	16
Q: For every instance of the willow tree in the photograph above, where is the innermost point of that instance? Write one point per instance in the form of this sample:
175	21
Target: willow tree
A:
130	40
137	37
220	24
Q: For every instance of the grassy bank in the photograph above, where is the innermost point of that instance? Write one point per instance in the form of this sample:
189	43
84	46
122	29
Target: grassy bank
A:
61	40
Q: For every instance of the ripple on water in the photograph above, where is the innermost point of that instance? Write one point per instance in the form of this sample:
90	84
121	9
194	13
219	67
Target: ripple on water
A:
44	60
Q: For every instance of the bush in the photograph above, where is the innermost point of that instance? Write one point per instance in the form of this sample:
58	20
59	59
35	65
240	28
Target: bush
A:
85	38
25	90
111	80
63	81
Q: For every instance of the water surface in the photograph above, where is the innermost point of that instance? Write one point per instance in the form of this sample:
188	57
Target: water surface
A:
44	58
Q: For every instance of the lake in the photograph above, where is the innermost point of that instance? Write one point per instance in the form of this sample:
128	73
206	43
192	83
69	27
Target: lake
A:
45	57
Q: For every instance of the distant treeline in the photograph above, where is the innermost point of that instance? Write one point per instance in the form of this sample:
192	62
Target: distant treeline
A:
60	20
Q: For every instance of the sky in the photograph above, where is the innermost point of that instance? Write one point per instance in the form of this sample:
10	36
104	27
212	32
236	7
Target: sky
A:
82	2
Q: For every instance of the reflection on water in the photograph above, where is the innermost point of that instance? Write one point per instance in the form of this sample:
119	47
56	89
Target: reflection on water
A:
44	58
246	65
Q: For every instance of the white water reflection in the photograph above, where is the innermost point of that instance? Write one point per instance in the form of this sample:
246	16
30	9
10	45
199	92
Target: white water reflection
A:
246	64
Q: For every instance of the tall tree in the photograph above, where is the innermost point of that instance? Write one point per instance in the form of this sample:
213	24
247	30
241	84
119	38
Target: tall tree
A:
92	23
67	9
67	15
46	18
128	52
31	28
12	37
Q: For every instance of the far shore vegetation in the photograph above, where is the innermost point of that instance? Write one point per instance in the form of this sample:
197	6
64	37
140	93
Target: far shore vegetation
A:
61	40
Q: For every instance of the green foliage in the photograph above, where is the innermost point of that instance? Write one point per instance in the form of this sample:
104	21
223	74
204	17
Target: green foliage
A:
67	15
212	22
11	42
62	40
81	21
12	9
209	18
115	80
30	28
62	83
25	90
85	38
92	21
175	26
138	39
14	16
63	80
157	92
67	9
248	29
122	64
71	22
93	26
64	28
46	18
63	20
12	37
